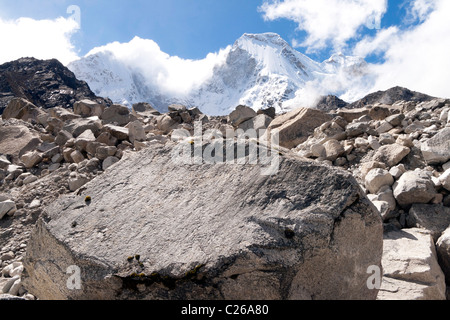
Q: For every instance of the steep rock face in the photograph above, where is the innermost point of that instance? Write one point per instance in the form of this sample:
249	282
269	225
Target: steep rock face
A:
45	83
307	232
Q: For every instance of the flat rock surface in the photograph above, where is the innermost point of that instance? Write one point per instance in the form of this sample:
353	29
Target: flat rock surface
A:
211	231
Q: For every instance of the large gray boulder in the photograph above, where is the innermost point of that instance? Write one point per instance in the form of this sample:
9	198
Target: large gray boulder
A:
437	149
410	267
296	126
433	217
414	187
207	231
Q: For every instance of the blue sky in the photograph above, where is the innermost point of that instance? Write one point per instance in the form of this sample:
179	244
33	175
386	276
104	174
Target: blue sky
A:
406	42
186	28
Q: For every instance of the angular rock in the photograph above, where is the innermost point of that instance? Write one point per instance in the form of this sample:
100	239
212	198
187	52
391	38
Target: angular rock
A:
443	252
7	207
295	127
118	115
30	179
241	114
165	124
333	150
104	152
396	119
144	109
378	178
117	132
107	138
356	128
437	149
352	114
444	179
260	122
62	114
31	159
136	131
410	267
109	161
62	137
381	112
366	167
88	108
83	139
77	182
270	112
177	108
18	140
77	126
434	218
77	156
22	109
414	187
391	154
301	227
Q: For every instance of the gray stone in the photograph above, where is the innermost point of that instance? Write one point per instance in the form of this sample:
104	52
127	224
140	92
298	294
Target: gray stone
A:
414	187
410	267
18	140
62	137
83	139
391	154
434	218
118	132
443	252
118	115
104	152
77	182
260	122
296	126
77	126
437	149
241	114
30	179
333	150
166	124
444	179
136	131
144	109
77	156
177	108
88	108
286	237
22	109
109	161
31	159
378	178
107	138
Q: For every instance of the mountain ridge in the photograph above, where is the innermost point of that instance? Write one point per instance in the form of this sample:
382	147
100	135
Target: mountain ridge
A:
258	70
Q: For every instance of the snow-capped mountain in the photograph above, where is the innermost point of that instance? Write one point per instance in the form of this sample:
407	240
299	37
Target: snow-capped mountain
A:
259	70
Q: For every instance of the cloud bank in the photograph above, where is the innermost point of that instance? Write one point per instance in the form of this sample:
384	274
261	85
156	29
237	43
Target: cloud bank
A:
414	54
416	57
41	39
327	22
171	74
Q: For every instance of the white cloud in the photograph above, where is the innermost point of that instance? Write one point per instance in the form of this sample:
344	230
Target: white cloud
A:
171	74
419	10
41	39
416	58
327	21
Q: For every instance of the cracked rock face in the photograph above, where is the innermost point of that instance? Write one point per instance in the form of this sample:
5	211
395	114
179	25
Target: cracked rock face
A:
155	229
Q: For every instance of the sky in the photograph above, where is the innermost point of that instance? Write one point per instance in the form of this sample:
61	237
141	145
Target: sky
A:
407	42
